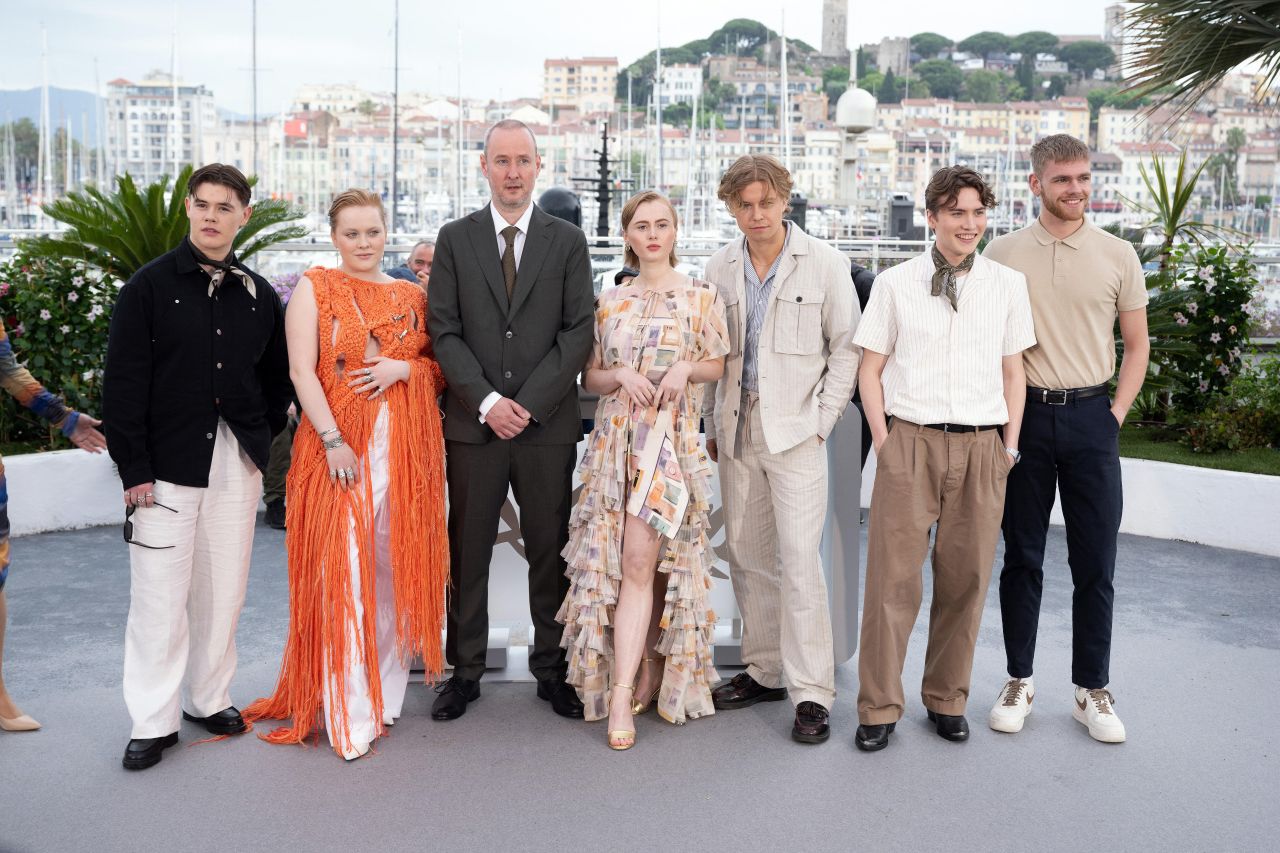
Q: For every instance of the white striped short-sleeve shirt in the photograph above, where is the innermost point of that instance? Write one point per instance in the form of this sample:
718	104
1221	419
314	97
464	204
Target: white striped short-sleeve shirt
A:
945	365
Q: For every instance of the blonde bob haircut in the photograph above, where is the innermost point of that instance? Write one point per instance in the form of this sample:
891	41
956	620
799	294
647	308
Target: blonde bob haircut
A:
630	258
355	198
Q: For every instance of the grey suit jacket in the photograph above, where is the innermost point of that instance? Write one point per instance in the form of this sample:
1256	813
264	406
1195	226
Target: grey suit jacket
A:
530	349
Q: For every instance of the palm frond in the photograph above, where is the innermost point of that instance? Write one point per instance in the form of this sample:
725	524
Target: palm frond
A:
121	231
1183	48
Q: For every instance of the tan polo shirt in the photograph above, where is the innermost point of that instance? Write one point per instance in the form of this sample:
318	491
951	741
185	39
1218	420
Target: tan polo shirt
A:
1076	286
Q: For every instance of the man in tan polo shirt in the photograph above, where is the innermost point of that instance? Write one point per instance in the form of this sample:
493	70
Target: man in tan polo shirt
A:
1080	279
942	341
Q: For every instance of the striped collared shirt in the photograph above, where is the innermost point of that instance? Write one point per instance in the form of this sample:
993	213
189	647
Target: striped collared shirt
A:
757	293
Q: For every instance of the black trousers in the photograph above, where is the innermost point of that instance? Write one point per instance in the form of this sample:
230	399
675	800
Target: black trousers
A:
541	476
1076	448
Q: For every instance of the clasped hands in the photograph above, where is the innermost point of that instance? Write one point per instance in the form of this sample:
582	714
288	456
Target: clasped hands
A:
642	391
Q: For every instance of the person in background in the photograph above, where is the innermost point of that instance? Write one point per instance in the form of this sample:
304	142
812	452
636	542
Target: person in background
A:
418	267
82	431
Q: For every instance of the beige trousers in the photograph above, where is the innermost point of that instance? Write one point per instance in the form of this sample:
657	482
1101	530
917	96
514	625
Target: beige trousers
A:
925	477
775	505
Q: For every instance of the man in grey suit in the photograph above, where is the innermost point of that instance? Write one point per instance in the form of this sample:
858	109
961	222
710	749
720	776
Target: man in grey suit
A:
510	314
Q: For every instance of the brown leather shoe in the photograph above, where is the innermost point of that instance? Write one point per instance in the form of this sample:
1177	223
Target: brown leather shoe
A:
811	723
743	691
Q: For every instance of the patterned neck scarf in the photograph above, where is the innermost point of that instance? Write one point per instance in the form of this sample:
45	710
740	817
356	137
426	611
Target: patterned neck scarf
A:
944	275
221	268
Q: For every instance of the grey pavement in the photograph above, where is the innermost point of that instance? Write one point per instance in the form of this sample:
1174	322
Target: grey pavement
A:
1195	670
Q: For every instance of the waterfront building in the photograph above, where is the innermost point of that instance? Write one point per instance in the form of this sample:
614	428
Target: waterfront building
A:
156	126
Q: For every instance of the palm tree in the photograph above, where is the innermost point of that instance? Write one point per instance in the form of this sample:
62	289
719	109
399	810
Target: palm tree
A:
121	231
1183	48
1170	207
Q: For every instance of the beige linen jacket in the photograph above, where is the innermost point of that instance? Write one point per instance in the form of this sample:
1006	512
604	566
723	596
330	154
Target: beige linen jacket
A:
806	357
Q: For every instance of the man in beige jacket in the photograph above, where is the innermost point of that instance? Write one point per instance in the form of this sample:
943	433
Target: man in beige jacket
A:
791	311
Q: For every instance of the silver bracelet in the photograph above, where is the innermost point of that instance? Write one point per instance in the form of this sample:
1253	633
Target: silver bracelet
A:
334	443
326	432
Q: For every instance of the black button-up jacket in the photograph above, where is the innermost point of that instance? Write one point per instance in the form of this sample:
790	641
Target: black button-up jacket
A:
179	359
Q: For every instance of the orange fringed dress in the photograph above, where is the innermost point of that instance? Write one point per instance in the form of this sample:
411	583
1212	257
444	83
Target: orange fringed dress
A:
321	602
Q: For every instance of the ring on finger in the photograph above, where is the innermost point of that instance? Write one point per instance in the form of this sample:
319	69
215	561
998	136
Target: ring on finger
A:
350	474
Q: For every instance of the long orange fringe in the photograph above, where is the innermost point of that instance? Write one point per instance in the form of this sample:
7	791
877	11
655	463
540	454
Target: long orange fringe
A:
318	511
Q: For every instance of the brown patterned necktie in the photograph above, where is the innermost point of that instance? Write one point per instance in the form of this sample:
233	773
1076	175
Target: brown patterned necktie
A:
509	258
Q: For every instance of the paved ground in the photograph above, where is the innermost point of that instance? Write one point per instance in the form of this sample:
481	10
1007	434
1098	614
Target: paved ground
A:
1196	674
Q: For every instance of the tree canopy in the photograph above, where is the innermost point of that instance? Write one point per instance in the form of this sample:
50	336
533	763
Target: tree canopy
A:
1085	57
929	45
1035	41
944	77
985	43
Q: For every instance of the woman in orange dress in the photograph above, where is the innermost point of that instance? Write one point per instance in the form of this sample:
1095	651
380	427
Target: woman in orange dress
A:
368	553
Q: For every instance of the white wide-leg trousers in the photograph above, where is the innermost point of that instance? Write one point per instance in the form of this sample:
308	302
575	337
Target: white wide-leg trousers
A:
184	601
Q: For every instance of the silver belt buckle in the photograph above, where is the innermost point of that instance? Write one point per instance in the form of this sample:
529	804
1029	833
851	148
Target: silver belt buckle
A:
1053	400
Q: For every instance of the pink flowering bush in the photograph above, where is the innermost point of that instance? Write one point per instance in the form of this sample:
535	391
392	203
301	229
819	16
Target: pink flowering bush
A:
56	313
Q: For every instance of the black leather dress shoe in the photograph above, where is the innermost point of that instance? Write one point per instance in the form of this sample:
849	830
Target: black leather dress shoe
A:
454	696
275	515
226	722
743	691
563	698
873	738
141	753
950	726
811	723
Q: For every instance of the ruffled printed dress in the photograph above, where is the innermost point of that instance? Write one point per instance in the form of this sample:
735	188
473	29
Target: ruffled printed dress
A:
647	331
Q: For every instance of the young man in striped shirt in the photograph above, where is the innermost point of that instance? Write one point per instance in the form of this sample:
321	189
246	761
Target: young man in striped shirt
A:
1081	281
942	341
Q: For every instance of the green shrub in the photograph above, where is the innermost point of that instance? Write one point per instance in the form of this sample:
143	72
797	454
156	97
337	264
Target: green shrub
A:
57	314
1246	414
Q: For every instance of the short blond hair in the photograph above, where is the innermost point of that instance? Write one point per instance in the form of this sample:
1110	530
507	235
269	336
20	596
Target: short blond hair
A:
1058	148
355	198
629	257
748	169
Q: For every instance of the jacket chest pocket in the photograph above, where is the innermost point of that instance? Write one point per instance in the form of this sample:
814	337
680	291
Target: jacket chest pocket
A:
797	322
733	322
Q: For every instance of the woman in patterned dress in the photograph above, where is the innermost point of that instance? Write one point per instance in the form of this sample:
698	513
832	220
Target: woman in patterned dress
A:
639	558
83	432
368	551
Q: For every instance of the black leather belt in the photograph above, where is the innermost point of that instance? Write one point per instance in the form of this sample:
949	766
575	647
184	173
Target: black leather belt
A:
960	427
1062	396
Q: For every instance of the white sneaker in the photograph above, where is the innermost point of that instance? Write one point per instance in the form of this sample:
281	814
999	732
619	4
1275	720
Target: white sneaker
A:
1093	708
1012	705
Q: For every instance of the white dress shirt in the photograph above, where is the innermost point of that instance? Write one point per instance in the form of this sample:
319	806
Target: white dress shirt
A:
498	225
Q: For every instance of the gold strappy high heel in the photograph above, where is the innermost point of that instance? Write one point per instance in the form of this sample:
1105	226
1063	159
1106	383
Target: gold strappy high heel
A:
638	707
622	734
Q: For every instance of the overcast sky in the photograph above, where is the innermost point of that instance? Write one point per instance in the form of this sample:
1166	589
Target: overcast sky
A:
503	41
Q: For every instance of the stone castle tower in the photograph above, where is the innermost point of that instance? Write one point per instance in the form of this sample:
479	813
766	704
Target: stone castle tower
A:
835	28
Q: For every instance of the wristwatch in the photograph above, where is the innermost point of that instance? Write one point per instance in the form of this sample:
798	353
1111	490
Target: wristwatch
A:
1016	454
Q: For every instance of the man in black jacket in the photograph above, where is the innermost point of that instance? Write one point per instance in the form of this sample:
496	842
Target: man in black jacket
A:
510	313
196	385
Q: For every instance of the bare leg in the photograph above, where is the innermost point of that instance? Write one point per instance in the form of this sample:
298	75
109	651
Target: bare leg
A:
632	616
8	710
649	678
